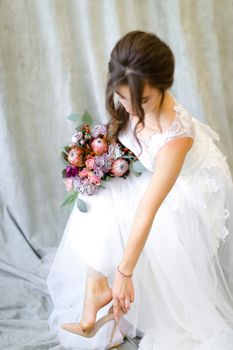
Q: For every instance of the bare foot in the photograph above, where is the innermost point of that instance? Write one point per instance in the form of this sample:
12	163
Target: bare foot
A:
97	294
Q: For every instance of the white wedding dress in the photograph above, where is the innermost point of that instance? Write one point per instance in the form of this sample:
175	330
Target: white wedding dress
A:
184	277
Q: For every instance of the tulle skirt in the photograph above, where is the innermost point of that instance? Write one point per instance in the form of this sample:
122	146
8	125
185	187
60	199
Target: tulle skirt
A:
183	280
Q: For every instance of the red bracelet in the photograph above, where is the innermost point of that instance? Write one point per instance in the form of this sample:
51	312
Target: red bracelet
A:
123	273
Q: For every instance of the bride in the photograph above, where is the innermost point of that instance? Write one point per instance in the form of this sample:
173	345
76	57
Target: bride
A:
153	254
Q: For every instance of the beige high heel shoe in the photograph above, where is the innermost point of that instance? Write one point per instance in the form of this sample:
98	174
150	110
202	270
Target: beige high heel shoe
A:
77	329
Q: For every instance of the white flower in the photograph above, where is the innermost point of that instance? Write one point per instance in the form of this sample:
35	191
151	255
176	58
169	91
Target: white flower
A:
77	136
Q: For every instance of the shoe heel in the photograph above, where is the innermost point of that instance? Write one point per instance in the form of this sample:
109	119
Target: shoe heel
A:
112	345
113	331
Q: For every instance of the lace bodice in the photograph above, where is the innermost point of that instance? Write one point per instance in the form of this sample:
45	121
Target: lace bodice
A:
201	162
184	125
181	126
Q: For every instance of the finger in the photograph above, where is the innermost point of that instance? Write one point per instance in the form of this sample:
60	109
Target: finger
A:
127	302
122	305
116	308
132	297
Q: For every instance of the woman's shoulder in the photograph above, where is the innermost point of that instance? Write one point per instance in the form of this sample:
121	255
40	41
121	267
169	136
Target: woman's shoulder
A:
181	126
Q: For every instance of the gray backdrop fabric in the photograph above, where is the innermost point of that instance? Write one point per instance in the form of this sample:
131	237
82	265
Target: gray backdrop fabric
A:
53	62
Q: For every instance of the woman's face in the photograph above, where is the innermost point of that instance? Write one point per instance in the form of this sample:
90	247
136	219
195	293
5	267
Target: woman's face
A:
150	98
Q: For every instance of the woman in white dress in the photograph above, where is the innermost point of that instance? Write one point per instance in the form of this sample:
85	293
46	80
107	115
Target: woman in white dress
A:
159	247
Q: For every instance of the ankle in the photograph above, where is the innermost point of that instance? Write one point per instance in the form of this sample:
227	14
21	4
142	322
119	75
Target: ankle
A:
96	285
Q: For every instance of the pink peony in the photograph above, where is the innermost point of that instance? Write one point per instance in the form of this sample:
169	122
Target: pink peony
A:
90	162
99	146
94	179
119	167
84	172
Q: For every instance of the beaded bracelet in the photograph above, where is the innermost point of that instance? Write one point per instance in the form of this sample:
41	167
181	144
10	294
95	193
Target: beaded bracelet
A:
123	273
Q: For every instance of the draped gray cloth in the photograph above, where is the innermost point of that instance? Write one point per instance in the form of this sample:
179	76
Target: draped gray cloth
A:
53	62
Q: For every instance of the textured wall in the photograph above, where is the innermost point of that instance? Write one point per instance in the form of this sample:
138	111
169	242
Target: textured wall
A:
53	62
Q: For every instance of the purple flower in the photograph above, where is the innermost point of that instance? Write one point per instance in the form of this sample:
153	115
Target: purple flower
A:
83	185
99	173
103	163
71	171
98	130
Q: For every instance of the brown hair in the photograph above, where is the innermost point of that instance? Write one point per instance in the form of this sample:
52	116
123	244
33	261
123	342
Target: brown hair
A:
137	58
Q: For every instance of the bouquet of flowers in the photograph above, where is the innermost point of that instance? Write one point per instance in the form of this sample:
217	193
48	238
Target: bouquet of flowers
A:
90	159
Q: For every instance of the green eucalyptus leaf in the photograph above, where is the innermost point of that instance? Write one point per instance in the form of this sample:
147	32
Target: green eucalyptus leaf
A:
74	117
66	149
70	199
79	127
87	118
63	155
138	167
81	205
101	186
127	156
137	174
64	161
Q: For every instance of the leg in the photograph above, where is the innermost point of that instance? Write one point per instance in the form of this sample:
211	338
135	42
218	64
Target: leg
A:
97	294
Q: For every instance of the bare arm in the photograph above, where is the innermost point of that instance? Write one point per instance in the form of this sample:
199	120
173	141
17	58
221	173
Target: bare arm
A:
169	163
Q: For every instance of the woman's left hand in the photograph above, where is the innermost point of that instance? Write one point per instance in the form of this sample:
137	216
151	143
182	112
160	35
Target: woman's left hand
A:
123	294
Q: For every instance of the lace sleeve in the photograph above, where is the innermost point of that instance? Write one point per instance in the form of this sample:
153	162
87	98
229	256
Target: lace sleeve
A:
182	126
